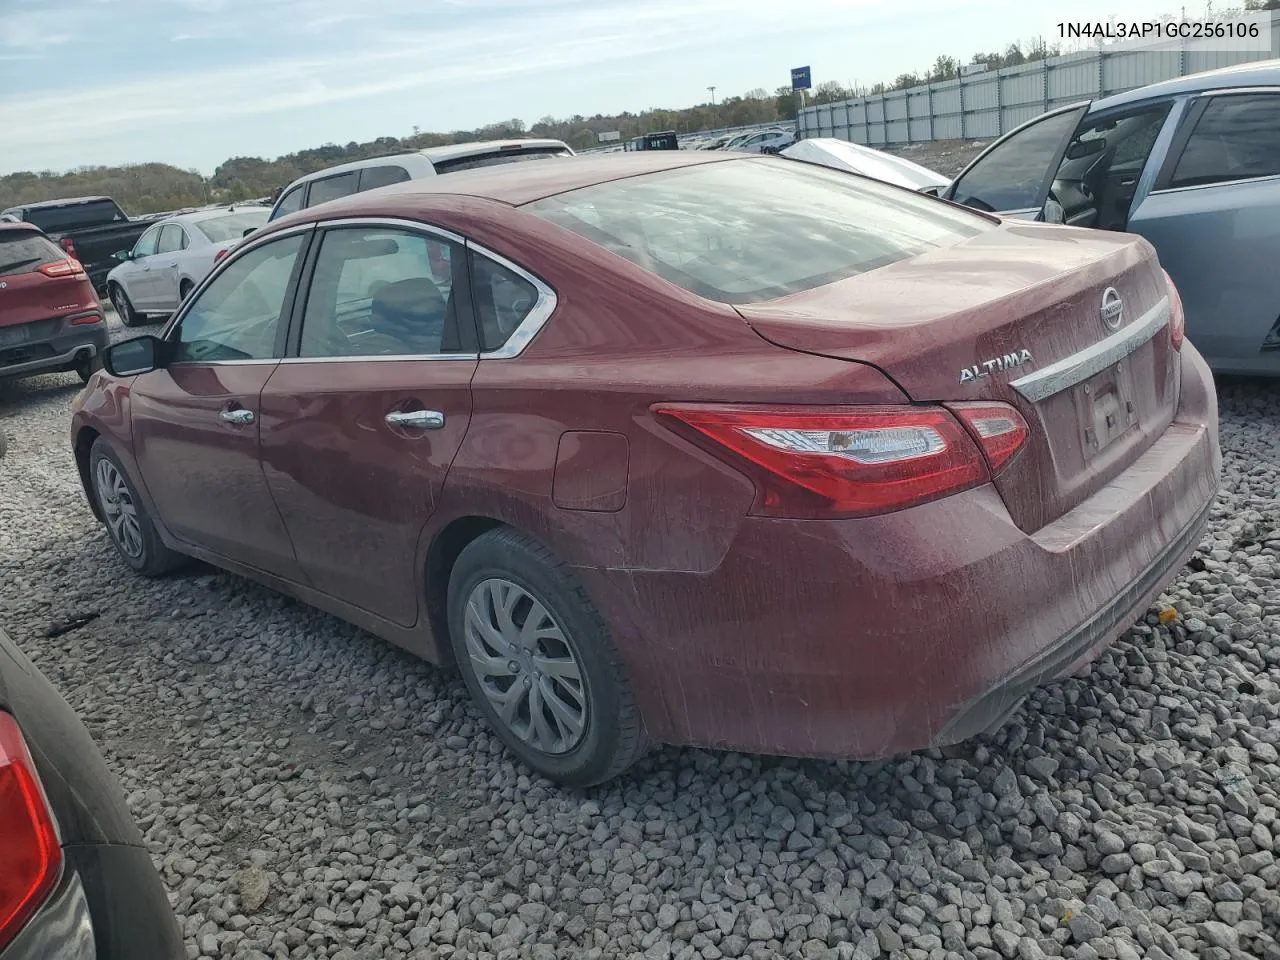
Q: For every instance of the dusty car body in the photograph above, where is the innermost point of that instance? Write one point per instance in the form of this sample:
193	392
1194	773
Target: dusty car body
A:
844	504
855	158
1191	164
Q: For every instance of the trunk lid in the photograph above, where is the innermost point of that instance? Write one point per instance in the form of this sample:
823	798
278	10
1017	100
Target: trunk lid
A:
1020	301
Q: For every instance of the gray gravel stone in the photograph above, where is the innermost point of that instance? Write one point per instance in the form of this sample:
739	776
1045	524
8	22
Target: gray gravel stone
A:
310	792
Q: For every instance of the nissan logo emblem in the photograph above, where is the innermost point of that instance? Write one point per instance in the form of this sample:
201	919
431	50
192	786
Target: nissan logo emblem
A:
1112	309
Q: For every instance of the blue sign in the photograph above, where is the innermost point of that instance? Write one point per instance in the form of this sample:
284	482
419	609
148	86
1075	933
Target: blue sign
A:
800	79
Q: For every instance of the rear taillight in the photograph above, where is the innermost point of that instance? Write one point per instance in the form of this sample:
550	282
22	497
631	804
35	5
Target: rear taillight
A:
998	428
847	461
63	268
1177	318
217	257
30	853
69	246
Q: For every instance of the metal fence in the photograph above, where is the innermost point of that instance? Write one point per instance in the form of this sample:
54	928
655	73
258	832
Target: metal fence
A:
986	105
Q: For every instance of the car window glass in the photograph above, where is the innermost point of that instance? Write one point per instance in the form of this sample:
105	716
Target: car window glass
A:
378	292
373	177
331	188
232	226
1011	176
171	239
237	316
146	244
291	202
1235	138
716	230
502	298
22	251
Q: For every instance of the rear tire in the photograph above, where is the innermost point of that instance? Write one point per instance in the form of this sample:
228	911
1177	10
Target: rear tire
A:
128	524
84	369
539	662
124	306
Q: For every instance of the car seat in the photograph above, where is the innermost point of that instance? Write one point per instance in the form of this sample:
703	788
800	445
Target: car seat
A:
406	317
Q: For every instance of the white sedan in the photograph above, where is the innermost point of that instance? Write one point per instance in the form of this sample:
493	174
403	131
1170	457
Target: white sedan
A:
843	155
173	256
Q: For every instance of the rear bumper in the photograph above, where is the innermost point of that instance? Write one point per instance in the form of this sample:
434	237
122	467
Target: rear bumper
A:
872	637
59	349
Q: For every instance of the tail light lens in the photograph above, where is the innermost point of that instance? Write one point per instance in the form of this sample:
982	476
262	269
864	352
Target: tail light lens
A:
30	847
1177	318
69	246
829	462
998	428
63	268
221	255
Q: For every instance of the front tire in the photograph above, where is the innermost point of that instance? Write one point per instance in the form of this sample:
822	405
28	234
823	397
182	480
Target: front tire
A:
124	306
128	524
539	662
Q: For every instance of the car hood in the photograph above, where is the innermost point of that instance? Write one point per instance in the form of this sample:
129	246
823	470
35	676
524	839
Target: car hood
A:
855	158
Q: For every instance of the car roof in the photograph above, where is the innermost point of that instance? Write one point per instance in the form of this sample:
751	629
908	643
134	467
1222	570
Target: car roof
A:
452	151
196	216
521	183
21	227
1258	73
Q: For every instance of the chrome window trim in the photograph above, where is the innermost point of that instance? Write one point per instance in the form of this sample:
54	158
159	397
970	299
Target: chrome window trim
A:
1092	360
221	363
534	320
384	358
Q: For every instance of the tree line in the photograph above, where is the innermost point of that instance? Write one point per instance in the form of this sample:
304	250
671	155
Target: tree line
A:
155	187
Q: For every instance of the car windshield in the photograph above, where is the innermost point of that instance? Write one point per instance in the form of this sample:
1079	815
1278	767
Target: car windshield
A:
751	230
233	225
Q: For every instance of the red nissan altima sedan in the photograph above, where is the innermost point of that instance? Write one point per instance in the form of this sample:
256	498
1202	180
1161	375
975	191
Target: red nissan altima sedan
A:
686	448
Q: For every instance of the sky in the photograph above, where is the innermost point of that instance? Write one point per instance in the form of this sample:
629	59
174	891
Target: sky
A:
195	82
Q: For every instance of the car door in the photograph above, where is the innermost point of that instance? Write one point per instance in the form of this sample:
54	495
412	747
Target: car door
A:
196	421
137	280
164	269
362	420
1214	218
1013	176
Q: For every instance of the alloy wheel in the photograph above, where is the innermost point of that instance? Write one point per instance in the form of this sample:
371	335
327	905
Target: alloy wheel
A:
118	507
526	666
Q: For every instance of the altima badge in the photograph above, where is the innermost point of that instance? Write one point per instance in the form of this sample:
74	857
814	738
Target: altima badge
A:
1112	309
987	367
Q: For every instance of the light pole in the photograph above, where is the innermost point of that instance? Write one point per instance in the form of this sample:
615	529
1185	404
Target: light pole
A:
714	119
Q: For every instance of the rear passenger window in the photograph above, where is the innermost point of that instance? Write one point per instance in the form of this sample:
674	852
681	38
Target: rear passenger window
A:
172	239
381	293
1236	137
331	188
373	177
502	301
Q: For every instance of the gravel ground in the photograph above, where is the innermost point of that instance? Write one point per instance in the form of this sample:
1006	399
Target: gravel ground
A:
309	791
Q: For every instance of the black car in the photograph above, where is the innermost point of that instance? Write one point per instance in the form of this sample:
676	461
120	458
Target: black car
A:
76	881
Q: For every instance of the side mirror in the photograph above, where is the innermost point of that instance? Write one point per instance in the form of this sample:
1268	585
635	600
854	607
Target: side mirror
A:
132	357
122	255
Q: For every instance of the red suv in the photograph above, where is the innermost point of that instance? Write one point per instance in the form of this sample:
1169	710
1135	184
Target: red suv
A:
50	318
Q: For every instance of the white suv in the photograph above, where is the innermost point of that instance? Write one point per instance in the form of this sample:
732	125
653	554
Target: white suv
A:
361	175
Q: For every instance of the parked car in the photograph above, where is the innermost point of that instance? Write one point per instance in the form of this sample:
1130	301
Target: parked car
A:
666	140
764	141
1193	165
360	175
89	229
172	257
681	446
76	880
855	158
50	318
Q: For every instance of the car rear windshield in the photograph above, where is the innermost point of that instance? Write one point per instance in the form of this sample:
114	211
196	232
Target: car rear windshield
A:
93	213
233	225
750	230
22	251
497	157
